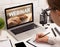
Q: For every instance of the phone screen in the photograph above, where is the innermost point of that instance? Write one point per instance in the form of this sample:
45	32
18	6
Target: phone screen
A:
21	44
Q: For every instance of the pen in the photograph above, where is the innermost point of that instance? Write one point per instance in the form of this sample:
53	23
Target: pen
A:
53	32
43	35
10	41
57	30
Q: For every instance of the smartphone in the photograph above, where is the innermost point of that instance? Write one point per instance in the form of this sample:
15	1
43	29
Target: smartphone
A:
21	44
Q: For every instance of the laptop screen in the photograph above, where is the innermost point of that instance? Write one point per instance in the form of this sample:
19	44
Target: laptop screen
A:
19	15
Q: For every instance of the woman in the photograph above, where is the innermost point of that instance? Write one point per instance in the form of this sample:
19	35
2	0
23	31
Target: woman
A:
55	15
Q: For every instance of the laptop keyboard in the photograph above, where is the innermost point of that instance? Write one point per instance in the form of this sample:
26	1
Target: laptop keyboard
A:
23	29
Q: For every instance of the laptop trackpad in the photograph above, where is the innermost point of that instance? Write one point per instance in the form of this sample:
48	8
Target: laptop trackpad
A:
23	29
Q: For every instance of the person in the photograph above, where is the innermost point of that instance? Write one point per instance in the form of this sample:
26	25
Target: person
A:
55	15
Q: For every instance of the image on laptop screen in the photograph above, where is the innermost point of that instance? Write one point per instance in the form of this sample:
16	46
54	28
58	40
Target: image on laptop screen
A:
19	15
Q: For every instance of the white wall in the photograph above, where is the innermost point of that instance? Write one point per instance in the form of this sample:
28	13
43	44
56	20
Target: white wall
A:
38	5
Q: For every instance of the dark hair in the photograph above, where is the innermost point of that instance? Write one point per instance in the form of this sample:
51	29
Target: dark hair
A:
55	4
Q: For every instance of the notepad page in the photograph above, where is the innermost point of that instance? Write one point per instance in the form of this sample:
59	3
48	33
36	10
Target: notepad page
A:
39	44
5	43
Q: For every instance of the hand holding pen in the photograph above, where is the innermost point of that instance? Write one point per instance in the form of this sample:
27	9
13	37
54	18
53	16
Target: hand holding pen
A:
41	37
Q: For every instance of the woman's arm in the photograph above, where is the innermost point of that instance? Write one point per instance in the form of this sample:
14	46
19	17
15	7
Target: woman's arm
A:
53	40
47	39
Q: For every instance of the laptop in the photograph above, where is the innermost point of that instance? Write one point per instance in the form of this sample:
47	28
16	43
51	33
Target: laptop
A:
20	21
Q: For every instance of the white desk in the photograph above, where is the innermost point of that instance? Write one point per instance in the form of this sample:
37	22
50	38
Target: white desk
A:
5	33
13	40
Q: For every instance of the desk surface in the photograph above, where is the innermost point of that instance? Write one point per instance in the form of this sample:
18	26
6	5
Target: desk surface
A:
5	33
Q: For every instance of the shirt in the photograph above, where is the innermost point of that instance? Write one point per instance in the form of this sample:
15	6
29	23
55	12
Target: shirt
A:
55	41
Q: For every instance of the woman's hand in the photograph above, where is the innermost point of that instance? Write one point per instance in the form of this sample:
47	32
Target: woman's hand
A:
39	38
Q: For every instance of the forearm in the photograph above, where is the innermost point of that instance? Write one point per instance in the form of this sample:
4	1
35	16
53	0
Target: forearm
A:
53	40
